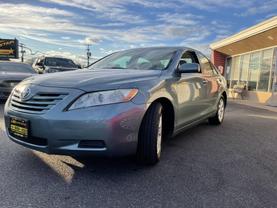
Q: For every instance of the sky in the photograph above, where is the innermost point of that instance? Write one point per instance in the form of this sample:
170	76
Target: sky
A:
58	27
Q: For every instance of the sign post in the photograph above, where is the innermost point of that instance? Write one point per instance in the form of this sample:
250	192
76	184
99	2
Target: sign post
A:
8	49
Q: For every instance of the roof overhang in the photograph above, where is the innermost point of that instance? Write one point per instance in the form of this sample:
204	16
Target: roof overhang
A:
260	36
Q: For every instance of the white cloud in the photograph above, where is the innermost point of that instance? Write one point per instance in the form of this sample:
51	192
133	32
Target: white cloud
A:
110	9
263	7
216	4
184	19
120	26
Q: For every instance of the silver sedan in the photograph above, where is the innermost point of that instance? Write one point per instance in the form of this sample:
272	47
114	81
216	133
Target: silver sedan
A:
11	73
126	103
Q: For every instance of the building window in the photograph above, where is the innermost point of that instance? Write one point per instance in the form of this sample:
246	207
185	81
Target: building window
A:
235	71
265	70
254	66
252	69
244	67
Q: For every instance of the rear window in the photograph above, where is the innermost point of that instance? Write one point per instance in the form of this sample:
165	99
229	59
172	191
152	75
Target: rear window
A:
59	62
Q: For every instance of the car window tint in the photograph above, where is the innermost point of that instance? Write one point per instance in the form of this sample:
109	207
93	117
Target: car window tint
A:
121	62
59	62
205	65
165	62
188	57
140	59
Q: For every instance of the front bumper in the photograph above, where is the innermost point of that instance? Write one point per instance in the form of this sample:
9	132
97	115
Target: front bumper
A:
116	126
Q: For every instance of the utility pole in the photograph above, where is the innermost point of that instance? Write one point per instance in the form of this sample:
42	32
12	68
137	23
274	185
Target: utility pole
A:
88	54
22	51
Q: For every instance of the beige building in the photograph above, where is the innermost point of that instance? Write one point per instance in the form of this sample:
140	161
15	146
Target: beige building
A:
248	60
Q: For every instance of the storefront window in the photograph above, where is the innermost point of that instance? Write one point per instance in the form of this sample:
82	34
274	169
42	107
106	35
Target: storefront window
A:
254	67
235	71
244	66
273	80
266	64
255	70
228	71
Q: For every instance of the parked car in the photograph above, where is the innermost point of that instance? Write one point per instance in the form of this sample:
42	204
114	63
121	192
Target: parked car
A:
47	64
11	73
126	103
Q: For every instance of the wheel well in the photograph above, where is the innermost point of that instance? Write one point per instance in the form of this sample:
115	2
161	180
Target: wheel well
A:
168	116
225	97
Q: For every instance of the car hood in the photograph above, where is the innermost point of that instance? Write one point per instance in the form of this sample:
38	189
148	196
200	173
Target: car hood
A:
89	80
14	75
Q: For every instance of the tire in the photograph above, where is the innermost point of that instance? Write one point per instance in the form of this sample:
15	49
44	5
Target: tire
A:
219	116
150	136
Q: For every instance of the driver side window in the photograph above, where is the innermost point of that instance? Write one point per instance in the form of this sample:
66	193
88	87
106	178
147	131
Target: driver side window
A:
188	57
205	65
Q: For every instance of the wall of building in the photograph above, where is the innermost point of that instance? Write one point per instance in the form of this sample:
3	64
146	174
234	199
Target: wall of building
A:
218	59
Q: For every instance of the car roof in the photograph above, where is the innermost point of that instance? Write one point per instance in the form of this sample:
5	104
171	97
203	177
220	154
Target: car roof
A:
57	57
179	48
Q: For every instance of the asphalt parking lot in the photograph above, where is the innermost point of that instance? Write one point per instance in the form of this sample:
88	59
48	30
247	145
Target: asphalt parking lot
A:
233	165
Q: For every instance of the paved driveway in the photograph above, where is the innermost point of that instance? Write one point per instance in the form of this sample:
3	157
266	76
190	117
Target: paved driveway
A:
234	165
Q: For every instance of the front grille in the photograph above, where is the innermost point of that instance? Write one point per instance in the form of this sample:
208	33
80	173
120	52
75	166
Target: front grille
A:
38	104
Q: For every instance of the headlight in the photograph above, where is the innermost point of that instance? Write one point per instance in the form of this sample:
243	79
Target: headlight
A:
104	98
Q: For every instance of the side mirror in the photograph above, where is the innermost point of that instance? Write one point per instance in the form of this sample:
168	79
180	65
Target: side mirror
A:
189	68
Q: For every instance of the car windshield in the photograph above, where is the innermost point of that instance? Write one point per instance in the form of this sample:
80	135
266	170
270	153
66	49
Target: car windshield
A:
59	62
140	59
16	67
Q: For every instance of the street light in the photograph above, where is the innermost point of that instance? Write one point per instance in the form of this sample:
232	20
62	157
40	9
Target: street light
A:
23	51
88	54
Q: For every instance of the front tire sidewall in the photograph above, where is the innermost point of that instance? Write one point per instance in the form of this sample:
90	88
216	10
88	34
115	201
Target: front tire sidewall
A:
150	136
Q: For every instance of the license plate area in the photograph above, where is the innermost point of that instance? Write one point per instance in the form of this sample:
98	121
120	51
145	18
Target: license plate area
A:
19	127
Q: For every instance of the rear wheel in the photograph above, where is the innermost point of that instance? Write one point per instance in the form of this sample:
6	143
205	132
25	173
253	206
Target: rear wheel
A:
219	117
150	136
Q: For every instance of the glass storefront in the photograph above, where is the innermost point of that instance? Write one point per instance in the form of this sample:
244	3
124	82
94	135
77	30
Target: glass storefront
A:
255	70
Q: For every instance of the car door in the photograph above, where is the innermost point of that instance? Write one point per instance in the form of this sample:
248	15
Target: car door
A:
191	94
210	83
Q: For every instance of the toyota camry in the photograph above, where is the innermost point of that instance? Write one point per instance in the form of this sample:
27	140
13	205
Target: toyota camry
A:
126	103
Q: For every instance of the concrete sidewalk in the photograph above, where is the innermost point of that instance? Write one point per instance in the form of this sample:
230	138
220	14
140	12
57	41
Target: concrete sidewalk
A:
253	104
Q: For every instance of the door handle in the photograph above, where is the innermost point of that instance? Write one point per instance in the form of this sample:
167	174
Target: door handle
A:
205	82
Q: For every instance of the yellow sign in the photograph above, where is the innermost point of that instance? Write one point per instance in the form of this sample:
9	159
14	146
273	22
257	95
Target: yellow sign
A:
6	51
8	48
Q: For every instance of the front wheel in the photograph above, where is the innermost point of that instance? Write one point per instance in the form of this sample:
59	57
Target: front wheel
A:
219	116
150	136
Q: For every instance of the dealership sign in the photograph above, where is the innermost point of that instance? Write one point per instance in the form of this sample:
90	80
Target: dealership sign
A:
8	48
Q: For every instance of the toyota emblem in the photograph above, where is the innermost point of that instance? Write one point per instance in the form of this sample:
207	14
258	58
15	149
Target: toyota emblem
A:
25	94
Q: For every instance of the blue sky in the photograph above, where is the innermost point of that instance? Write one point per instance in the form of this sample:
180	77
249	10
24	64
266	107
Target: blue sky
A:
64	27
